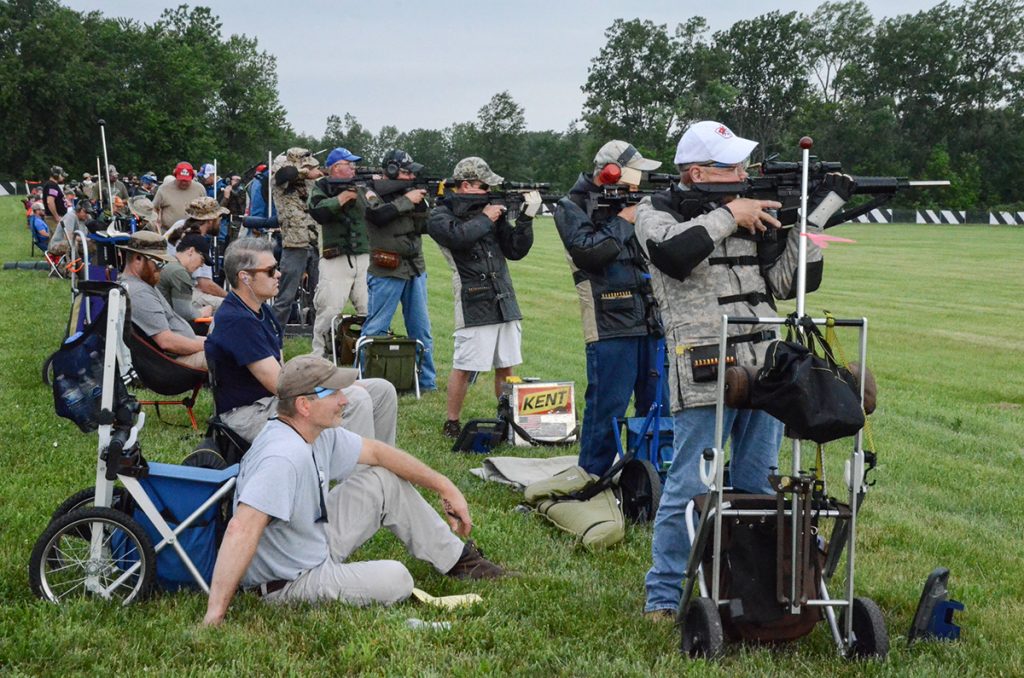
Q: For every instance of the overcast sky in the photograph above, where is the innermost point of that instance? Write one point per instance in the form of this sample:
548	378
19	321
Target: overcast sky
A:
430	64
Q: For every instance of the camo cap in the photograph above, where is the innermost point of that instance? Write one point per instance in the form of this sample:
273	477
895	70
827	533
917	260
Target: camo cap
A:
302	157
475	169
205	208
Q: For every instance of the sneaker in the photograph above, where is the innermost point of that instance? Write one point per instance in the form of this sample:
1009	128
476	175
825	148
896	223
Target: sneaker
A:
452	428
473	565
659	616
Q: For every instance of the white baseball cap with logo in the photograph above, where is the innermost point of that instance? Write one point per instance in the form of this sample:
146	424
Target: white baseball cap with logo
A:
710	141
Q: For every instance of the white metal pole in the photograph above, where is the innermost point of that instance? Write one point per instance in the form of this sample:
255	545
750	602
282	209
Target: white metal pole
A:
99	184
270	195
216	196
801	272
106	162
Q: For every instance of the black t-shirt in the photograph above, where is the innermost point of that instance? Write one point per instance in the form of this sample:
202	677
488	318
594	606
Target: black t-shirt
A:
52	190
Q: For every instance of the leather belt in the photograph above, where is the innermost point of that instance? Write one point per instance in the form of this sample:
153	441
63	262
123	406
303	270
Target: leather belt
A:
266	588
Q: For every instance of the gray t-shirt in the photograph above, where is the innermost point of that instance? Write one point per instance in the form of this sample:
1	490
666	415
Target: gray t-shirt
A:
151	312
279	477
176	286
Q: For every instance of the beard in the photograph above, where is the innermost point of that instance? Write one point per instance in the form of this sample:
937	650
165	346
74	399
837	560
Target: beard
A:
150	275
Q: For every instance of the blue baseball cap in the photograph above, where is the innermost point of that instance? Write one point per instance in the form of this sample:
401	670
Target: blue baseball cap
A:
341	154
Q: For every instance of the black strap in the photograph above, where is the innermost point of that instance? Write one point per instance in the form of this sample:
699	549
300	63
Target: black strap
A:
579	276
752	298
733	261
752	337
522	433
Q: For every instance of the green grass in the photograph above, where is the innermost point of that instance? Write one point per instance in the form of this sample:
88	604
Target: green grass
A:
945	309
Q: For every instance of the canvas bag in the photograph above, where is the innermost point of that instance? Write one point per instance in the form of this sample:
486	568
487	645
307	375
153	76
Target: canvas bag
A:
597	522
805	388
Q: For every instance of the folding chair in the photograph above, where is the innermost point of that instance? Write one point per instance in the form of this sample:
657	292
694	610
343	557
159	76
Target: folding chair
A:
162	374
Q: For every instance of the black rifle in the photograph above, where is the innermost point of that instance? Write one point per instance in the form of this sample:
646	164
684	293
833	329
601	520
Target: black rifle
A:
511	195
388	187
781	181
619	196
365	176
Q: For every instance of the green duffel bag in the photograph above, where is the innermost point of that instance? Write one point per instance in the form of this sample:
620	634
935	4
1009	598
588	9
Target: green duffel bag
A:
597	522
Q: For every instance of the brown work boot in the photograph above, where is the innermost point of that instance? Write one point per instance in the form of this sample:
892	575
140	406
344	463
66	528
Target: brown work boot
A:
452	428
473	565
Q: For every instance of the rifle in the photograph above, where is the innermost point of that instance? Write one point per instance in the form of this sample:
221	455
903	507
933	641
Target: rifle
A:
618	196
780	181
511	195
365	176
387	187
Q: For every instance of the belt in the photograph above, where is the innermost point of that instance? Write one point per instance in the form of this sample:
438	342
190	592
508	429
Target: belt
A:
266	588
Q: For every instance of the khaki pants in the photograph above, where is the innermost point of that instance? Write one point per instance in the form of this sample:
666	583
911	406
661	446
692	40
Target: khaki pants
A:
372	498
341	278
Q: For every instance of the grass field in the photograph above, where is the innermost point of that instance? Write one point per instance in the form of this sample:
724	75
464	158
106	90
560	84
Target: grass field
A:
945	309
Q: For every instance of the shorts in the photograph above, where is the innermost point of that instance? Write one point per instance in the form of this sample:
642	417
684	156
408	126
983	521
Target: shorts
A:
483	347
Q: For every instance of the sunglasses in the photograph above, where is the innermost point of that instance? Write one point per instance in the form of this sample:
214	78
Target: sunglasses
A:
269	270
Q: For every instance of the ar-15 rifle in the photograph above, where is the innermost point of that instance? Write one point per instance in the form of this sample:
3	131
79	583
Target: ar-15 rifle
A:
512	195
780	181
387	187
365	176
619	196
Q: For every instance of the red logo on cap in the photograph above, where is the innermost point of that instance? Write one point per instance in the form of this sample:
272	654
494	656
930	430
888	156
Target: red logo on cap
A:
724	132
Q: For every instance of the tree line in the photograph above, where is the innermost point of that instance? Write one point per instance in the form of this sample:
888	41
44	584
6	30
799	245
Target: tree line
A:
936	94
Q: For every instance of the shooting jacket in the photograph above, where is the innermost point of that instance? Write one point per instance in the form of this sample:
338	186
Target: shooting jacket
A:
298	229
395	225
608	268
701	269
342	229
476	250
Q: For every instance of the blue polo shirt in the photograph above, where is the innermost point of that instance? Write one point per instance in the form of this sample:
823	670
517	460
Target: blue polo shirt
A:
239	338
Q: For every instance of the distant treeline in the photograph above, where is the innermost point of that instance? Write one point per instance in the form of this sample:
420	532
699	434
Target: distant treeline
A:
937	94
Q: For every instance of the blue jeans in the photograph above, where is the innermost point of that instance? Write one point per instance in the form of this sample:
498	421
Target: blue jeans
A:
294	262
755	439
385	293
616	369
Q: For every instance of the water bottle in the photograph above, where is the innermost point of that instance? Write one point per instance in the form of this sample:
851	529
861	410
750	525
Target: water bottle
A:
414	623
74	401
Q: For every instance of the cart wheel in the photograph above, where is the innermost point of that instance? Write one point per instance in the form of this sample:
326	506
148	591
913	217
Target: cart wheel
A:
640	485
206	455
84	499
870	638
701	630
62	566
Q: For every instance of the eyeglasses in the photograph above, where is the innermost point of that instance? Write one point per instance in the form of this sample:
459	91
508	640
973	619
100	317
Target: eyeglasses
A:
734	167
158	263
321	392
271	271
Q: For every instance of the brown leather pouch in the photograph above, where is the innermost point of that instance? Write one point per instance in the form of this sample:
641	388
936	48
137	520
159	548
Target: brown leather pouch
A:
331	252
385	259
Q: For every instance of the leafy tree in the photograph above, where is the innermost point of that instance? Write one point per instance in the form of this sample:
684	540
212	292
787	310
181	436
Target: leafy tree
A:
498	134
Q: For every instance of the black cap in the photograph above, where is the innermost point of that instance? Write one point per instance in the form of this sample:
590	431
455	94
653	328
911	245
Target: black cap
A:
201	243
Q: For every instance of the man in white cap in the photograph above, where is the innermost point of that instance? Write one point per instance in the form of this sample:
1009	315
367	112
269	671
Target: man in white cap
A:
620	317
291	535
708	259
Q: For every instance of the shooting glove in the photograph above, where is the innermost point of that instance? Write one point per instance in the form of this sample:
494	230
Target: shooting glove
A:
830	196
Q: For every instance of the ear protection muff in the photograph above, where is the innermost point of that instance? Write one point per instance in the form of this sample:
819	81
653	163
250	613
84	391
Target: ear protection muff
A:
612	172
393	162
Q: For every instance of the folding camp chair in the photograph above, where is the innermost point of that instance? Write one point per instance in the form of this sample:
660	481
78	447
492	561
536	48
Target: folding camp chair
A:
162	374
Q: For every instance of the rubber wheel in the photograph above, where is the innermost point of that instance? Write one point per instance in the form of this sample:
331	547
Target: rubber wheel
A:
870	638
206	456
62	568
701	631
84	499
640	486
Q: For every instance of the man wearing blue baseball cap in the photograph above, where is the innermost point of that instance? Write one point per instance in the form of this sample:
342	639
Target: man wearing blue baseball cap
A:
344	244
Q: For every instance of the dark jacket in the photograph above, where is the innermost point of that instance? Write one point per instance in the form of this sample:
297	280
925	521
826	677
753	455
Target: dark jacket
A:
476	249
342	230
395	225
607	265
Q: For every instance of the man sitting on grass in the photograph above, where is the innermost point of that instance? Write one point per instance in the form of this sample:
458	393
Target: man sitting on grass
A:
289	537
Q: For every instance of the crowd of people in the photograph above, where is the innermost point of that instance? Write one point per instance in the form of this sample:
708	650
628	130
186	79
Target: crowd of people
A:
663	270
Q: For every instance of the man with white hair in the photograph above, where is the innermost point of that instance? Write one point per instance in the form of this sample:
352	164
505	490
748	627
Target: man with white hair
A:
709	259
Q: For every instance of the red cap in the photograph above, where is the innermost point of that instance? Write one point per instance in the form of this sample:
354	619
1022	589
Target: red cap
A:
184	170
260	168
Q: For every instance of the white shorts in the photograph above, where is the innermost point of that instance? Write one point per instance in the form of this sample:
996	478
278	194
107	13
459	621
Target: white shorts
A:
481	348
